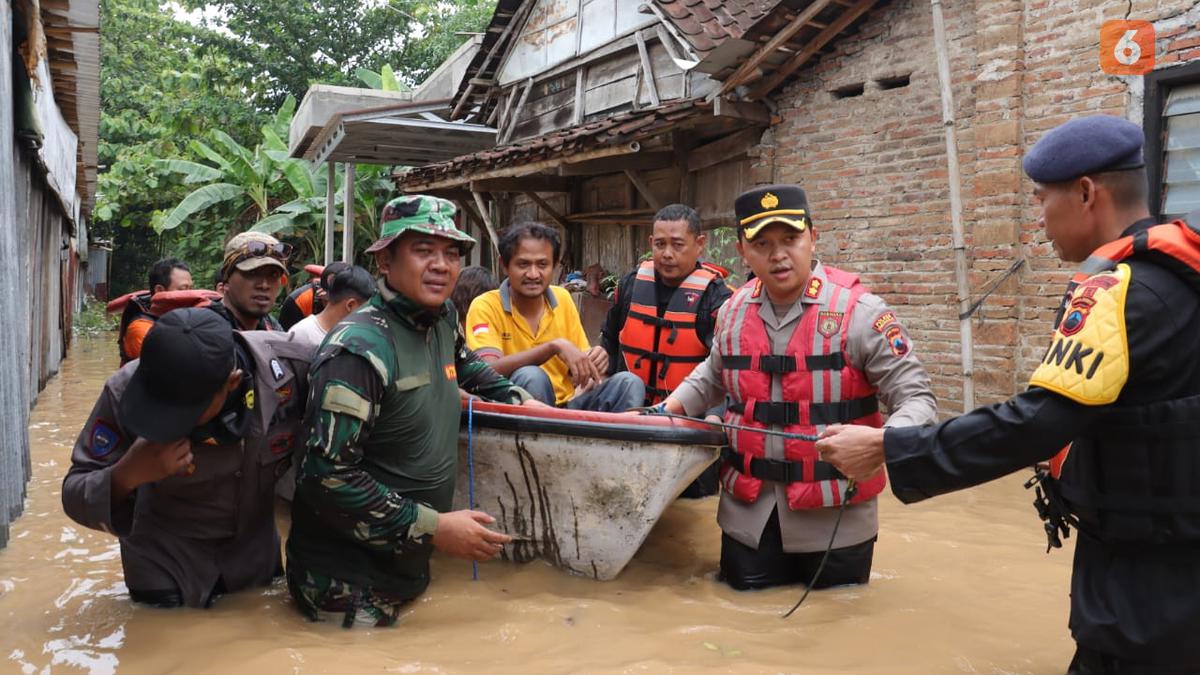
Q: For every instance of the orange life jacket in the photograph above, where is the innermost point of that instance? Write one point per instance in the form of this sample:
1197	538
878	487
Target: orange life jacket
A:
820	387
140	306
1174	245
662	351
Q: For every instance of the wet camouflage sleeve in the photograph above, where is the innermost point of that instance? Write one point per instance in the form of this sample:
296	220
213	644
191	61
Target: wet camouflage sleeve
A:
476	377
346	392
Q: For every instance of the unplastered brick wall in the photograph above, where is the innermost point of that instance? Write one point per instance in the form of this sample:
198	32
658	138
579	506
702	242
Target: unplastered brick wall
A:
862	131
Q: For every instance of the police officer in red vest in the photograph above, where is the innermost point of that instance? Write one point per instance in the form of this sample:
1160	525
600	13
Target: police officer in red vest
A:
801	347
1119	386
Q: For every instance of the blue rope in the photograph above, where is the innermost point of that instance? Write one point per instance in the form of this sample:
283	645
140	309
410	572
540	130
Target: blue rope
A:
471	471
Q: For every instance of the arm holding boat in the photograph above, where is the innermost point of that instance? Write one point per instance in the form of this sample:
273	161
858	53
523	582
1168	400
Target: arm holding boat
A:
701	391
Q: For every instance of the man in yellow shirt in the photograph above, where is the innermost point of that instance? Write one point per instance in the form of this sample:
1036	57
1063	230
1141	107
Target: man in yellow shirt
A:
530	331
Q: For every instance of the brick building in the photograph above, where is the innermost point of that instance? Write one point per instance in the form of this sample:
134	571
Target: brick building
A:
862	130
603	113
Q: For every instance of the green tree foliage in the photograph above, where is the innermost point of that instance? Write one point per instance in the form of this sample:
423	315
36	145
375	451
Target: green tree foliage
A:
297	43
193	116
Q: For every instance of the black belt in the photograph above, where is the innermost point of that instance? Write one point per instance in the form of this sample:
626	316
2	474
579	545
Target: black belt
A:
787	412
665	323
656	357
783	363
781	471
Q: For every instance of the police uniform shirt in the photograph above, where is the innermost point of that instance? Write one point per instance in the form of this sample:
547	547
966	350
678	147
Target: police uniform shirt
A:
214	521
903	388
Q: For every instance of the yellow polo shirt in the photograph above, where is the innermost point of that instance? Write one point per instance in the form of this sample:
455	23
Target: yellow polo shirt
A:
493	328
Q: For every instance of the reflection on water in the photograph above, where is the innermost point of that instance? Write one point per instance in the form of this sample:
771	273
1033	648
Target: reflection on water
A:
961	585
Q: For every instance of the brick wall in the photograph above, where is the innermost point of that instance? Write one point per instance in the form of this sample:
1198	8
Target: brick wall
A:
871	152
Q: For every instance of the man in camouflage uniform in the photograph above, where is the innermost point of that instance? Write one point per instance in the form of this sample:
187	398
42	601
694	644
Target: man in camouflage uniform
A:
375	485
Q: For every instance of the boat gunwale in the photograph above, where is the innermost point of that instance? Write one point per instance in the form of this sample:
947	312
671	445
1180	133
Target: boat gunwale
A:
587	424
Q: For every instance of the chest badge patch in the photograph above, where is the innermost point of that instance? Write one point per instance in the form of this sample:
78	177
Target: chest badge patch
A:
276	369
104	439
690	298
284	394
451	371
829	323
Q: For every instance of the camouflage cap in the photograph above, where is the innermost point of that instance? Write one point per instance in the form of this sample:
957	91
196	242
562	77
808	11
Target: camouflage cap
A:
419	213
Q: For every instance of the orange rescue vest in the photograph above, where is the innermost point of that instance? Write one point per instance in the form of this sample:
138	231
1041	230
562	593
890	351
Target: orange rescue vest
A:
662	351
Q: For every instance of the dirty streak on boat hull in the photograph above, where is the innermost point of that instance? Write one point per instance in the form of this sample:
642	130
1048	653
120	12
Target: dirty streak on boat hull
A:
583	504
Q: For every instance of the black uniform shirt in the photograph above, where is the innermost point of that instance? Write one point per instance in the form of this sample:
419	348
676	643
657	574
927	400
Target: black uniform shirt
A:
1133	603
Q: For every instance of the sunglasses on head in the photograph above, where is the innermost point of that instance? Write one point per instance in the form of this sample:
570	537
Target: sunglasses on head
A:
255	249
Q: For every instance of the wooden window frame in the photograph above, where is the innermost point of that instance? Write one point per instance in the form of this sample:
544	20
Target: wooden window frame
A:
1157	84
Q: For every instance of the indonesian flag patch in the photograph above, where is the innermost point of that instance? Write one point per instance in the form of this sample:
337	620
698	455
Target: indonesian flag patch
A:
479	329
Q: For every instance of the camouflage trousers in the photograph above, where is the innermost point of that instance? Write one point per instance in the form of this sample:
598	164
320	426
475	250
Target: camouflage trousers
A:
323	598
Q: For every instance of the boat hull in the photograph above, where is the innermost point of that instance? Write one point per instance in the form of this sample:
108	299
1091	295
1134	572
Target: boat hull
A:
580	490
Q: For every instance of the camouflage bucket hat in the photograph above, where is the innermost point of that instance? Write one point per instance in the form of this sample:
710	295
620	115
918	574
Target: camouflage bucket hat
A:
419	213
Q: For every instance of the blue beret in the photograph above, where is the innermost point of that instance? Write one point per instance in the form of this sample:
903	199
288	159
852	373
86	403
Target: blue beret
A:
1084	146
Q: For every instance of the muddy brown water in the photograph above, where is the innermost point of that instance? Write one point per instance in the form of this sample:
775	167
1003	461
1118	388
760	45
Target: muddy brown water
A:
961	584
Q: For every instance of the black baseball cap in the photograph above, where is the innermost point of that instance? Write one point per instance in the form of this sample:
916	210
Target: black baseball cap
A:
186	359
761	206
330	272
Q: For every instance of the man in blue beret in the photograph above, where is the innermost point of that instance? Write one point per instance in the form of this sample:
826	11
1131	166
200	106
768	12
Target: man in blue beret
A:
1114	406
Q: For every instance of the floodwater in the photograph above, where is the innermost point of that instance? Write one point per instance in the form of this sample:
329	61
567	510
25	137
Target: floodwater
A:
961	584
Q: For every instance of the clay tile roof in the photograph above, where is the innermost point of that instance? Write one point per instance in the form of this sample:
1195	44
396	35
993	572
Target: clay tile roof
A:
708	23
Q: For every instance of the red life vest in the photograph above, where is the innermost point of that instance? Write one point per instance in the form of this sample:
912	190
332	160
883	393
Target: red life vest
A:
820	387
1174	245
141	306
663	351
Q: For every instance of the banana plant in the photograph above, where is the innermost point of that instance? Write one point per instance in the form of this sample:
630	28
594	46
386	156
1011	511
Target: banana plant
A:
248	180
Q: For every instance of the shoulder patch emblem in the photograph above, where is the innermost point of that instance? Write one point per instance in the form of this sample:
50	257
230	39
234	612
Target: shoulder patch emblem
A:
814	288
883	321
276	369
1077	313
829	323
103	439
897	340
690	298
479	329
451	372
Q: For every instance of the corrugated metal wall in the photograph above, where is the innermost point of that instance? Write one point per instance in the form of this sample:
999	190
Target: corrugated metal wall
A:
14	399
38	280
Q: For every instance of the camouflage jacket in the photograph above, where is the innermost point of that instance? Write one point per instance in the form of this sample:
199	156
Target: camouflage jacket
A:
381	430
